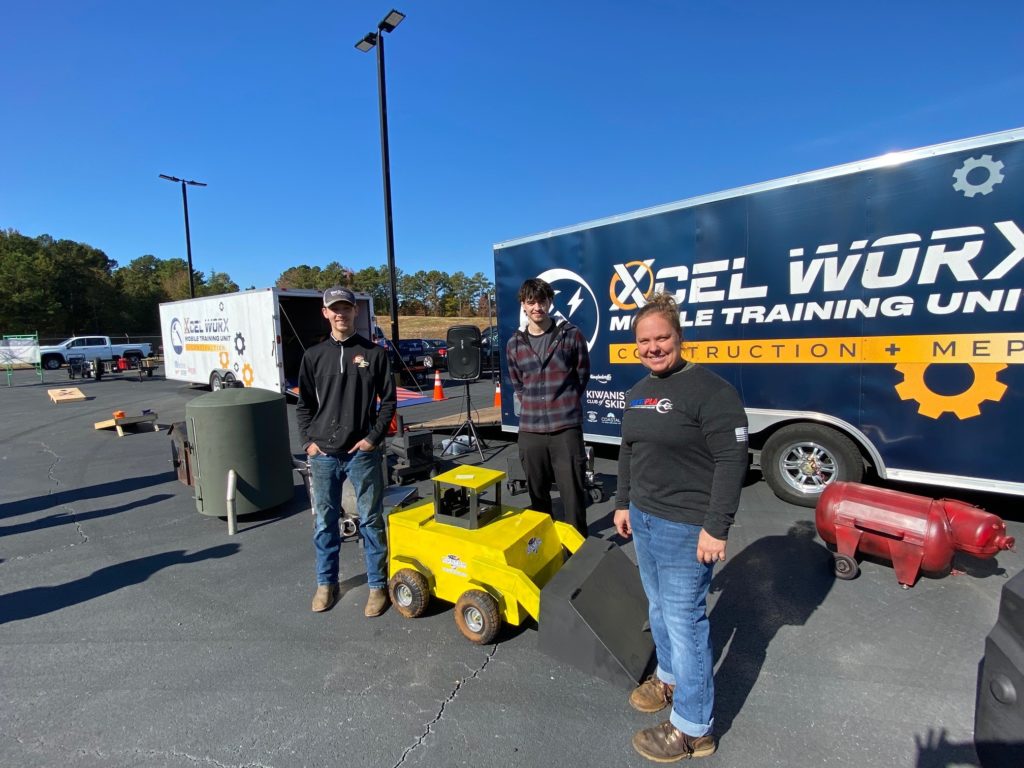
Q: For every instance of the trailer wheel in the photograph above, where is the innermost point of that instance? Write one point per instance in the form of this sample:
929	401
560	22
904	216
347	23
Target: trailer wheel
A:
97	369
229	379
845	567
410	593
476	616
216	382
800	460
596	495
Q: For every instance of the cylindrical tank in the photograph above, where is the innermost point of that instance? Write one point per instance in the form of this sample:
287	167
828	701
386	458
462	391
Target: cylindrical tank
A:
914	532
245	430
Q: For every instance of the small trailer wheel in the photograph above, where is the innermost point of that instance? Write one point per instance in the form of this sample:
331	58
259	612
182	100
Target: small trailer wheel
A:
410	593
596	495
476	616
845	568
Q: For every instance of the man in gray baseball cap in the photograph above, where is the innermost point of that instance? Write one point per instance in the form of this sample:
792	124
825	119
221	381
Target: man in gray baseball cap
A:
342	430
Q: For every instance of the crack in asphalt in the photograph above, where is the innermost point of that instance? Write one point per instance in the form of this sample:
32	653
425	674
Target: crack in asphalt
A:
440	712
56	482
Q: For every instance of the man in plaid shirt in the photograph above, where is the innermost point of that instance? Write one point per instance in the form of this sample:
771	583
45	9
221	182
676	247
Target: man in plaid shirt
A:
549	365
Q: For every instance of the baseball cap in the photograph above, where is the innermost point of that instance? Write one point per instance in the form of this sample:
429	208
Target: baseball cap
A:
337	293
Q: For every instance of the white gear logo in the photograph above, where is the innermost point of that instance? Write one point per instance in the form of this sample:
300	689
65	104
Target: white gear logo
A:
995	175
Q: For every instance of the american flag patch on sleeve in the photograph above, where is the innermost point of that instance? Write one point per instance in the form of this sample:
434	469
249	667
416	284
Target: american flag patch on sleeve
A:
741	434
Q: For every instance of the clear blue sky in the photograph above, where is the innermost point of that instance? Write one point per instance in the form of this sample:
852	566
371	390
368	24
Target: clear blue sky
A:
507	118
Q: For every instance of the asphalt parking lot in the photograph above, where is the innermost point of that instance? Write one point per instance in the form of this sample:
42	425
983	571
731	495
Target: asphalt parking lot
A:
135	632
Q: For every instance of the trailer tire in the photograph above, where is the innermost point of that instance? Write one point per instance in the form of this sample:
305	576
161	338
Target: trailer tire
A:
800	460
216	382
229	379
97	369
476	616
410	593
845	567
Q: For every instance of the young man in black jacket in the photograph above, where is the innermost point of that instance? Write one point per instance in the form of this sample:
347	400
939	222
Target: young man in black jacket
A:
342	431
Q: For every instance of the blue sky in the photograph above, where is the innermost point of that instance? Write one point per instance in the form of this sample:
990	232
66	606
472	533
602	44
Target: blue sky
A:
506	119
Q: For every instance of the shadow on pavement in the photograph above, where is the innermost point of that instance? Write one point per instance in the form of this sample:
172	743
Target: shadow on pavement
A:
37	503
936	751
63	518
37	601
774	582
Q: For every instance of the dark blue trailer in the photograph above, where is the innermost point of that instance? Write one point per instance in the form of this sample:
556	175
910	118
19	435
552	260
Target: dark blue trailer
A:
869	314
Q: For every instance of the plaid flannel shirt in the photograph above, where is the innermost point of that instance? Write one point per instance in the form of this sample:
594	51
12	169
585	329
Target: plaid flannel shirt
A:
550	391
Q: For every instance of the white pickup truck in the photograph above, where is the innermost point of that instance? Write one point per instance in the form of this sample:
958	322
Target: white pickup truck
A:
91	348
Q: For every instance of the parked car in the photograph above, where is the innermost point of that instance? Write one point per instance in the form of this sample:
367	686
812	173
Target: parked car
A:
433	350
91	348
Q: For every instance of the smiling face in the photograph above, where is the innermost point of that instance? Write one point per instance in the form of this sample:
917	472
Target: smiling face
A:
537	310
342	317
657	343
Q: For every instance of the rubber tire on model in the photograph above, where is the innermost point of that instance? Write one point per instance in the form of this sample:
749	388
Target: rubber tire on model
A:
410	593
216	383
845	567
849	466
477	617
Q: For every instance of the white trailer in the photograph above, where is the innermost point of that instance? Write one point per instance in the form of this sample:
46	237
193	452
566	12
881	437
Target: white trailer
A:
256	337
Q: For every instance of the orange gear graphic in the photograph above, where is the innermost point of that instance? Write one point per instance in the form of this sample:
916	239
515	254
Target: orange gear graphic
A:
247	375
966	405
224	360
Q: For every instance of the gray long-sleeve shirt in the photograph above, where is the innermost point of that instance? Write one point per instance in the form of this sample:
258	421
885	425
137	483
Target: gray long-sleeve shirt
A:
684	449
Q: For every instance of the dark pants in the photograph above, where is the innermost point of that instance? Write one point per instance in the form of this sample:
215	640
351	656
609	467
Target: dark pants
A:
559	457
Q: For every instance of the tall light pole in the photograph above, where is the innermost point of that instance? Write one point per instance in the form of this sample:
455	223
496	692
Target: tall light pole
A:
188	237
372	40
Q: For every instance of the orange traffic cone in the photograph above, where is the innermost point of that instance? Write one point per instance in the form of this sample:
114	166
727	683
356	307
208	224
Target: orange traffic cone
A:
497	392
438	389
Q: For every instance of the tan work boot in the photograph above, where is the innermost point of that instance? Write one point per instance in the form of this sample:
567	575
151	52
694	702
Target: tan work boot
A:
652	695
376	602
326	596
664	743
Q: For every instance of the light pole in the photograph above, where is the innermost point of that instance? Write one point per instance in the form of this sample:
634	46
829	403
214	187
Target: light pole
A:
370	41
188	237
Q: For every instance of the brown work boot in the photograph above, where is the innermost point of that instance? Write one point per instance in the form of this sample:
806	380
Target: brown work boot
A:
652	695
664	743
376	602
326	596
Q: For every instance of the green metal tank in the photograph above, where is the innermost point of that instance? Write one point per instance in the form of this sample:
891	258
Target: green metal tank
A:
245	430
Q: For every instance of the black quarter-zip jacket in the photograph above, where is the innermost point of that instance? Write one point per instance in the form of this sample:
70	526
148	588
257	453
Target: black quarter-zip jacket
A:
339	385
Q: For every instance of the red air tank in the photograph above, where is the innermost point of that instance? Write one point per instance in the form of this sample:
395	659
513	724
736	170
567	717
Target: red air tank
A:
915	533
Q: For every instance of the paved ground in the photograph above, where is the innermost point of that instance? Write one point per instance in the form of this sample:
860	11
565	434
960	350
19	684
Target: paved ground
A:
135	632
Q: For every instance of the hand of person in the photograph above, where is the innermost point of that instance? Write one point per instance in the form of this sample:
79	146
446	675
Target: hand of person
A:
709	549
313	449
621	521
363	445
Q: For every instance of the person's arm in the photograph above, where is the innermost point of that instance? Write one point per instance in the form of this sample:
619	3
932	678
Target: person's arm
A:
724	424
621	516
307	406
385	385
582	361
513	367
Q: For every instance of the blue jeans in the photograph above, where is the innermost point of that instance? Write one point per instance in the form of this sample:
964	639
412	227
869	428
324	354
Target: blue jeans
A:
326	475
677	590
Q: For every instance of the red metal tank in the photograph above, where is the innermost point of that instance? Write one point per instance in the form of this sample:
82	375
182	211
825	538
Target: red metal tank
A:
914	532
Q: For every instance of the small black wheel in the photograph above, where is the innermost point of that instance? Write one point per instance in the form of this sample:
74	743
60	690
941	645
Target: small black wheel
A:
476	616
410	593
97	369
349	527
216	382
596	495
845	568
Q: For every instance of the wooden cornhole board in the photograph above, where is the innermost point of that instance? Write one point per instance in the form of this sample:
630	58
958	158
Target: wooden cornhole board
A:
128	421
66	395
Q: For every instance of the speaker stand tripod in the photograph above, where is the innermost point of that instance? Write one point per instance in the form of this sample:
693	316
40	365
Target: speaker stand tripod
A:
469	428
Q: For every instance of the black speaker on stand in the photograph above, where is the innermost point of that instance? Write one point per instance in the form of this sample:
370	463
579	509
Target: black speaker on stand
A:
464	365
